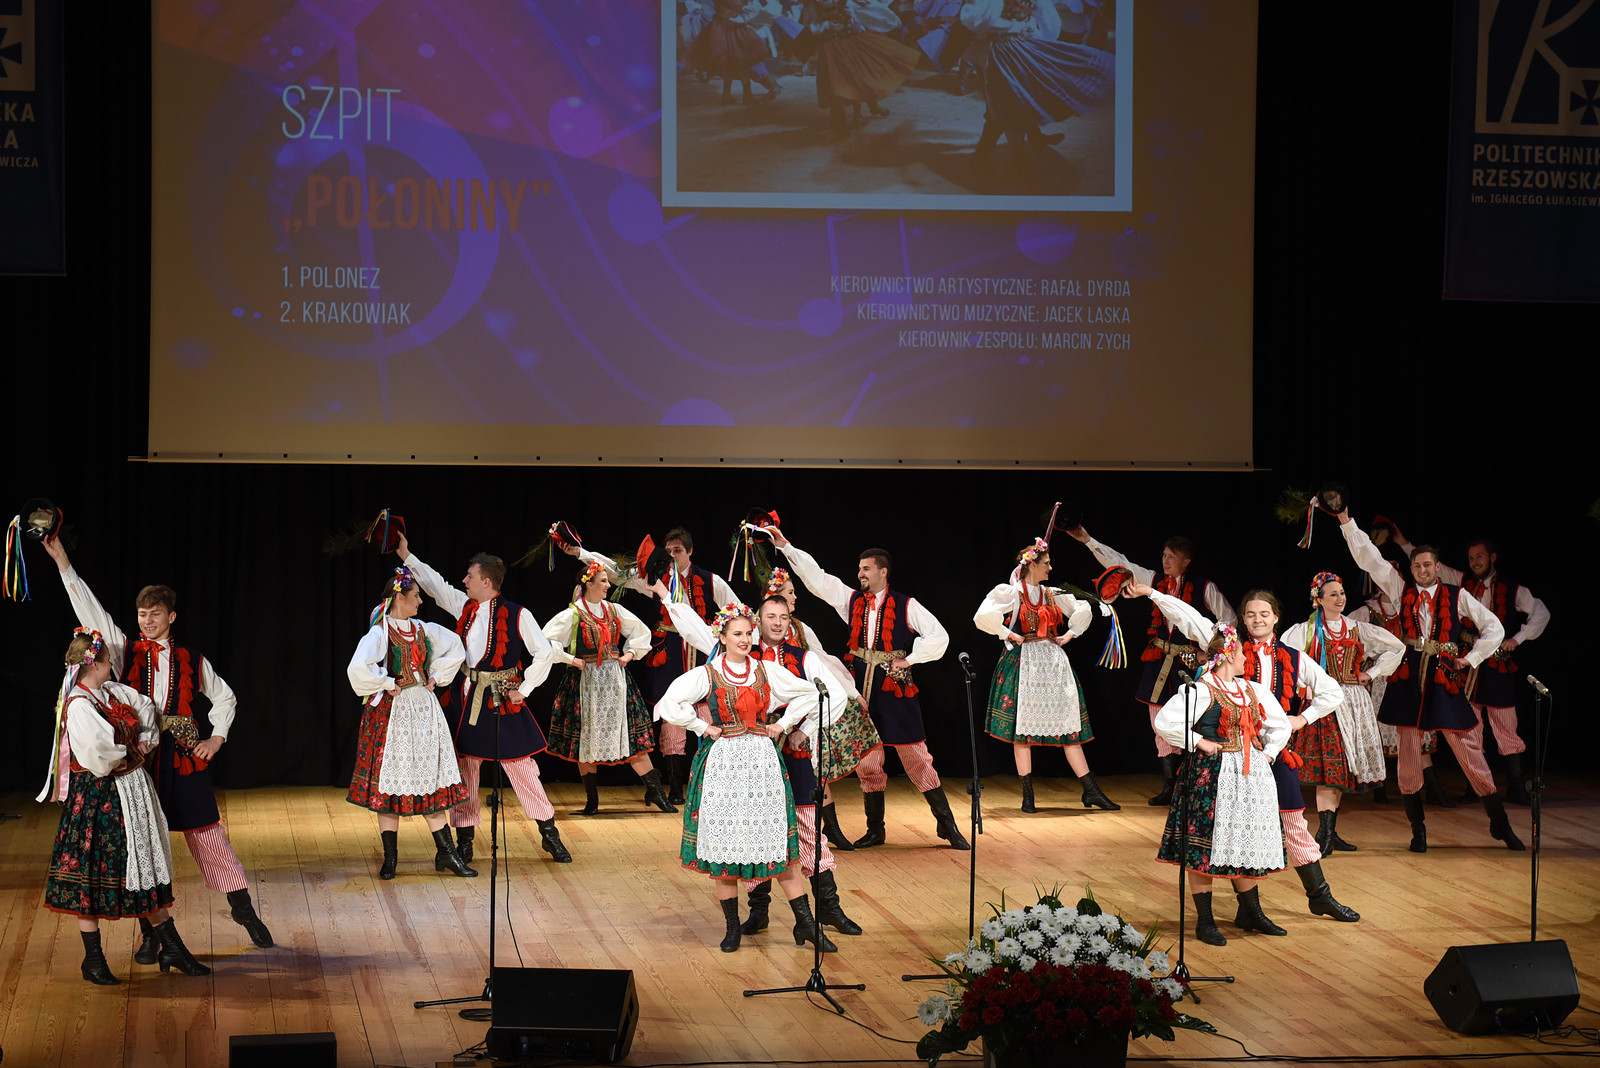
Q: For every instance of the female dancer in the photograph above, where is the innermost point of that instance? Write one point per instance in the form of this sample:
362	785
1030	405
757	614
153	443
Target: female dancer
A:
739	818
1343	753
405	758
730	48
1035	699
112	859
1233	832
599	716
857	62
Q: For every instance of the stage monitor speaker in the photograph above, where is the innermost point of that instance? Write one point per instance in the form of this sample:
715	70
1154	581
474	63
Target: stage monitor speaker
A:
1519	986
562	1012
315	1050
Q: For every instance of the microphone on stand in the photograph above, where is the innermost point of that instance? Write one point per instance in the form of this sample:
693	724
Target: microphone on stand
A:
1188	679
966	666
822	687
1537	685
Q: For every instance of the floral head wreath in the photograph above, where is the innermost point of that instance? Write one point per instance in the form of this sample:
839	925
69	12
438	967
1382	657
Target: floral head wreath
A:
1322	579
1230	642
1029	555
728	613
97	642
590	572
775	583
402	580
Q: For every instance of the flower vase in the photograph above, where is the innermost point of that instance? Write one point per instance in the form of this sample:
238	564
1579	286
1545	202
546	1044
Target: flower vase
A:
1103	1049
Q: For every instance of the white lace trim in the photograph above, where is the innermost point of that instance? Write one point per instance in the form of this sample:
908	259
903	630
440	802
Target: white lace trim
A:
419	757
1358	728
603	715
743	815
144	827
1247	832
1047	692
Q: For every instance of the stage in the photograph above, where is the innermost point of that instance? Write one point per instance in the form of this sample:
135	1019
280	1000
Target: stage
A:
354	952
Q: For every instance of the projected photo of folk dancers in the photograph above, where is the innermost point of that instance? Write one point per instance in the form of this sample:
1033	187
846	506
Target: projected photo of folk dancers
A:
897	104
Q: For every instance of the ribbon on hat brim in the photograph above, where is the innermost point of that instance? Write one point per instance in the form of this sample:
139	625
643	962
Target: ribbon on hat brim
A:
56	734
1311	514
1115	653
14	583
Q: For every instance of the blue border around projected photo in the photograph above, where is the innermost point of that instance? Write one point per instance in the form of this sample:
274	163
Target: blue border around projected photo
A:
1119	199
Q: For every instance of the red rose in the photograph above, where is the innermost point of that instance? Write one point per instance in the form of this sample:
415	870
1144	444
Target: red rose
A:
1057	1028
1041	969
993	1014
1146	988
1047	1011
1077	1019
971	999
1168	1011
1108	1016
105	806
968	1021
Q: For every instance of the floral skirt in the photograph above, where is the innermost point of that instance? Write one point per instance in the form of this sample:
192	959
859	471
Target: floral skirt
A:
1035	699
599	717
1028	82
1234	826
859	68
738	812
727	48
112	857
850	737
405	761
1343	751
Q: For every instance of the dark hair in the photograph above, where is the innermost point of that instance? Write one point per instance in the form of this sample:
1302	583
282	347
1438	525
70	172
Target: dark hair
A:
1027	549
772	598
1429	549
1488	545
1262	595
880	557
157	596
679	534
491	567
1180	544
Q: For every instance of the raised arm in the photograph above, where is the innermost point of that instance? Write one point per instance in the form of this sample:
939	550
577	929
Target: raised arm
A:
1109	557
1219	606
446	596
691	628
1370	560
1189	620
822	585
87	607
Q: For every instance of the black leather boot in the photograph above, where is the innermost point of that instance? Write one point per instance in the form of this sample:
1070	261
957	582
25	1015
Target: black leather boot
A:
653	792
591	792
1169	779
1251	918
834	833
677	776
446	858
945	821
987	139
1419	823
829	911
550	841
1094	796
391	853
174	954
1339	844
1027	794
805	926
1435	793
244	914
464	837
1320	897
95	969
1324	833
1205	926
873	803
1516	786
759	900
149	944
730	916
1500	824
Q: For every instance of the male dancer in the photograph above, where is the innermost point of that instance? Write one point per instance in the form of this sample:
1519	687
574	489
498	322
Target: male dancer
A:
1291	675
1425	691
889	632
1167	648
1492	689
172	675
508	656
669	655
797	760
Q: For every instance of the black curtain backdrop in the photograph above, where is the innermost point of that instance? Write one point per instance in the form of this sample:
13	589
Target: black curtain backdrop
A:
1446	416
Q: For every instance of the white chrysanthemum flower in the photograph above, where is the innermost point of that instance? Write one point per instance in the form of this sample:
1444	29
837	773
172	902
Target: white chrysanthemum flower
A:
1120	962
1041	911
1026	962
1098	946
1032	941
1066	914
1086	925
1062	956
992	929
1141	970
1070	942
1014	919
979	961
1133	934
1109	923
1171	987
1159	962
935	1010
1008	949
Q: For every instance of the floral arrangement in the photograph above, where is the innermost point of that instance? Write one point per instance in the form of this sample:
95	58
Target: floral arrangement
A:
1053	973
1034	551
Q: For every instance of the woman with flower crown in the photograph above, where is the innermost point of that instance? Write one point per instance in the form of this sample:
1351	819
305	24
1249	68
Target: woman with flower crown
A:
1343	753
739	817
1238	730
112	859
1035	698
599	716
405	758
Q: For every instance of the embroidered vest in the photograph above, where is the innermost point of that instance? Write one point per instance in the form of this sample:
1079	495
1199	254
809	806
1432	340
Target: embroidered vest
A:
893	632
1042	620
1285	681
405	670
1229	724
1499	597
1445	628
183	678
597	639
1344	653
124	726
724	700
503	646
1190	589
700	586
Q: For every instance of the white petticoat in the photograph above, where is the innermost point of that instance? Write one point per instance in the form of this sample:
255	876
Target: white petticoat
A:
1047	692
744	806
144	825
1246	831
603	724
1358	728
419	757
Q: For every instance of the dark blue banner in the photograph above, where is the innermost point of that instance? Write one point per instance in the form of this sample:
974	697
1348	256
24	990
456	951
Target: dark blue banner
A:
1524	173
32	139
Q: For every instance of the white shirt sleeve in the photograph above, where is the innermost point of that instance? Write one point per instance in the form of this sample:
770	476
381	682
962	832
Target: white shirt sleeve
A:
791	690
1538	616
1079	613
985	16
223	700
834	665
635	635
558	631
1191	623
931	640
1491	632
368	671
631	579
448	653
94	742
1370	560
722	593
446	596
91	614
1388	649
539	649
999	605
1109	557
1276	733
149	715
1219	606
677	704
1190	700
821	584
695	631
1323	689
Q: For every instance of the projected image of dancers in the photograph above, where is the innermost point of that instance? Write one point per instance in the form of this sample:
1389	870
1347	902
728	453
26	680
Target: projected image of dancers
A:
894	98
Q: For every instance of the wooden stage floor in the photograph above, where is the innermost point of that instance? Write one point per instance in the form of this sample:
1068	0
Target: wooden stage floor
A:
354	952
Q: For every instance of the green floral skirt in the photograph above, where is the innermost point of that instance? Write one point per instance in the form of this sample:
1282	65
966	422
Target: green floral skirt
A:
738	811
1049	694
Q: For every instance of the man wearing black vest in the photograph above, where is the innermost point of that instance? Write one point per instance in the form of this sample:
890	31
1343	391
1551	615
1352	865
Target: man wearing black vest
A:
1168	648
507	657
889	632
1425	691
173	676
